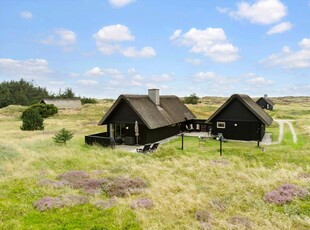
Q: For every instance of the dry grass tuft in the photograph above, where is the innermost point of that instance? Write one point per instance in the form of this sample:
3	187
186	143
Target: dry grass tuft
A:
53	183
104	204
71	200
205	226
304	175
218	205
219	162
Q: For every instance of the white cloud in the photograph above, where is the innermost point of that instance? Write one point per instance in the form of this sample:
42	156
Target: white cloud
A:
109	40
258	81
57	83
296	90
138	77
132	52
305	43
26	15
132	71
176	34
289	59
280	28
87	82
211	42
135	83
162	77
223	10
113	33
61	37
195	61
259	12
120	3
205	76
109	72
27	69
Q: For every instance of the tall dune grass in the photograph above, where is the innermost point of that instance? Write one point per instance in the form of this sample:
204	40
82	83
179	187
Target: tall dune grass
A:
179	182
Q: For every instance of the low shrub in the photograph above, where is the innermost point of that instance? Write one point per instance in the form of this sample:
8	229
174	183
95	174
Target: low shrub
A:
121	186
293	190
146	203
285	194
73	176
277	198
88	100
243	221
203	216
92	186
48	203
58	202
45	110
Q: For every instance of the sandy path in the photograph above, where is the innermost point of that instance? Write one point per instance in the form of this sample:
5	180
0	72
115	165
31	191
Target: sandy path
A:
281	130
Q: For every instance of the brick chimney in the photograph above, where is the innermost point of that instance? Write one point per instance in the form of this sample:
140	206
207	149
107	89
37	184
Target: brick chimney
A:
154	96
265	95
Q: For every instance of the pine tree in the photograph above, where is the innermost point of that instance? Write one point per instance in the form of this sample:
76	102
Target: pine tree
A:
32	120
63	136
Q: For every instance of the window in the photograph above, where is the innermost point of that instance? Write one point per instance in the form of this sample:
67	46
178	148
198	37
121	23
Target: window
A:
220	125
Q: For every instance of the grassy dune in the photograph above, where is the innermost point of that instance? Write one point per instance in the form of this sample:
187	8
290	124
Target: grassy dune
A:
230	188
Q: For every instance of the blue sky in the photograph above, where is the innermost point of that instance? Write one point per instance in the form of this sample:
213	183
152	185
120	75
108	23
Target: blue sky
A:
104	48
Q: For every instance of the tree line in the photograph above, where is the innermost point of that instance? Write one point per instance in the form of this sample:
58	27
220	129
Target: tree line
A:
27	93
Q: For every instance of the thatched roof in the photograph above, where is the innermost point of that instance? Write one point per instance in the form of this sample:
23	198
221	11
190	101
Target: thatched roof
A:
63	103
268	101
170	111
248	103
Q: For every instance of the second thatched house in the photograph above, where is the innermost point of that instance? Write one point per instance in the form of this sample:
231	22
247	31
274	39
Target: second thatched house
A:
142	119
265	102
63	103
240	118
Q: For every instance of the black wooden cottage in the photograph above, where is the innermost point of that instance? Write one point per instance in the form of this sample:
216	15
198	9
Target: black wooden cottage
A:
265	103
240	118
144	119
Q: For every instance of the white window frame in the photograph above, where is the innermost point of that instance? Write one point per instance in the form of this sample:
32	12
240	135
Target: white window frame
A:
221	125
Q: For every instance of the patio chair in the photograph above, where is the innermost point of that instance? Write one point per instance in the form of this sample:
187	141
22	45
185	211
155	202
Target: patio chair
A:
145	148
154	147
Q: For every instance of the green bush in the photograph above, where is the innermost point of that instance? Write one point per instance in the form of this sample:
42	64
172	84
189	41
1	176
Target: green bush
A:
88	100
63	136
191	99
45	110
32	120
